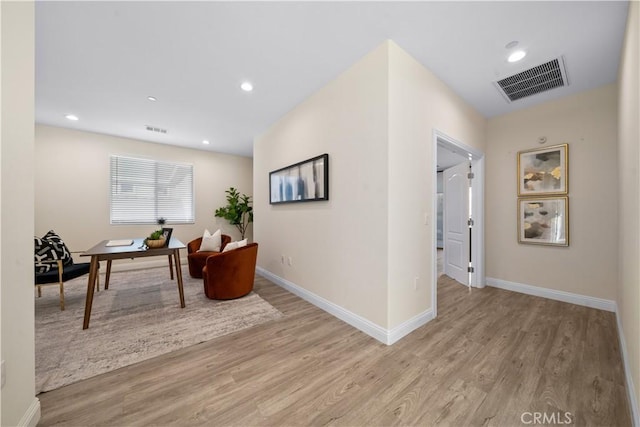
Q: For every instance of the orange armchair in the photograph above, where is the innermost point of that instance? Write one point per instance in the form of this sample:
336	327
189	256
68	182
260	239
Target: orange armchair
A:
230	274
197	260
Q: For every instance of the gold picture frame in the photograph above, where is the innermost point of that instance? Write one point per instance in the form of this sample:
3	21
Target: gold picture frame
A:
543	171
543	220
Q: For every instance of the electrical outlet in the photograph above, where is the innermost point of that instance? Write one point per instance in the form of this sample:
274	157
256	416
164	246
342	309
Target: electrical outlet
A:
290	261
426	218
415	283
3	374
282	259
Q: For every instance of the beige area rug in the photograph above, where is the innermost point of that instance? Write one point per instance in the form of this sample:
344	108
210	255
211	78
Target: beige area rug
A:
138	318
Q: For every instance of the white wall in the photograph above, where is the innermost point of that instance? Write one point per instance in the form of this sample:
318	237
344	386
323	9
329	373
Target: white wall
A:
628	297
587	122
72	186
339	247
419	103
18	402
363	248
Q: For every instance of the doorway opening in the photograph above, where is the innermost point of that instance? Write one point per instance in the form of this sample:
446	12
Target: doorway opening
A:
458	207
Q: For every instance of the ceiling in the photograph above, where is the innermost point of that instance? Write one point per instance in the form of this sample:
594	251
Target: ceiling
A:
101	60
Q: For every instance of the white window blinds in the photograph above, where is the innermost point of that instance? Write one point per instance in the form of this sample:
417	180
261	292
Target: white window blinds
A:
144	190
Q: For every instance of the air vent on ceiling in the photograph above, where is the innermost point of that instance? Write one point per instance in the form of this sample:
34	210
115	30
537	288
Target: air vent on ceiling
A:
549	75
155	129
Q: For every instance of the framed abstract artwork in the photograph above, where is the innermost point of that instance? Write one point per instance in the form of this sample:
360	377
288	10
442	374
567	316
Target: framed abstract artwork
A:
543	221
543	171
306	181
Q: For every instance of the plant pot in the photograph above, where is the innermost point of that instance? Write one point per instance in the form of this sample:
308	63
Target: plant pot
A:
158	243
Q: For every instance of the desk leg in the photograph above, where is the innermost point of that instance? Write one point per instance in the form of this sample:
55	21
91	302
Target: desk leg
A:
93	272
176	255
171	266
108	275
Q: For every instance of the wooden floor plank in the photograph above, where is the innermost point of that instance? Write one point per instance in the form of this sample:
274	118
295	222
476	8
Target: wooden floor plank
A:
490	356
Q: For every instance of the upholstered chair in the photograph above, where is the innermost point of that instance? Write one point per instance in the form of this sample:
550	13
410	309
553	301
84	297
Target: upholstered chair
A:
197	260
53	264
60	274
230	274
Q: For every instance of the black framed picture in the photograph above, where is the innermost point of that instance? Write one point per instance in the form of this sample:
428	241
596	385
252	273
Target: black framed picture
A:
306	181
166	233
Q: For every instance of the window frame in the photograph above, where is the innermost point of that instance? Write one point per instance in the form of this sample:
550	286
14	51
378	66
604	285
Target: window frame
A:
156	162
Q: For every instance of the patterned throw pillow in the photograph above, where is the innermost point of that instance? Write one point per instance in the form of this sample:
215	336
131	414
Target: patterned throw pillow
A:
49	249
44	255
61	249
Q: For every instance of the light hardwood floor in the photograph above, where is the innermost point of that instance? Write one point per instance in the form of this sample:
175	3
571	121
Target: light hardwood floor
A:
490	357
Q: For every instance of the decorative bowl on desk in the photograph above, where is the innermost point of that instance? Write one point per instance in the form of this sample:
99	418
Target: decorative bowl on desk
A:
155	243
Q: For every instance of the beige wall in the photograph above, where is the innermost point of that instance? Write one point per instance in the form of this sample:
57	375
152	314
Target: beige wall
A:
72	185
339	247
418	103
18	402
363	248
629	195
587	122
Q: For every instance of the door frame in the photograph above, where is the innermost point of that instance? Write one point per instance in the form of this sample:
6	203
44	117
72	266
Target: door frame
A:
477	208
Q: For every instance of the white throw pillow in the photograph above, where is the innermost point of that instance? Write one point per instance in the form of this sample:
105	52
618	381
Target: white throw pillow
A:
235	245
211	242
230	246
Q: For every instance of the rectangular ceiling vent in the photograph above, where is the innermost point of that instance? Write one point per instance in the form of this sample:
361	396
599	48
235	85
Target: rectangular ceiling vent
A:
155	129
547	76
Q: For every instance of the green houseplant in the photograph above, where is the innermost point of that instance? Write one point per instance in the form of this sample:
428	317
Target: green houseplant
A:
155	240
238	211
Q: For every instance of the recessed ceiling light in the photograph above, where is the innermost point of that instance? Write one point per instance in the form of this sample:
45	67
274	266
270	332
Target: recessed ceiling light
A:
205	142
246	86
517	56
152	98
72	117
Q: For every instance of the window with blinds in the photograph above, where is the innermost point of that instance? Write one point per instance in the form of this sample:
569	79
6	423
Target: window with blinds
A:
143	190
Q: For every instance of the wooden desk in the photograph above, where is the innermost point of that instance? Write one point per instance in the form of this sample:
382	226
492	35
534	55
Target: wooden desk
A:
101	252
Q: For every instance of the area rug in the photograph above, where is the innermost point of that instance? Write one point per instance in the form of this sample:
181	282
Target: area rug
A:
137	318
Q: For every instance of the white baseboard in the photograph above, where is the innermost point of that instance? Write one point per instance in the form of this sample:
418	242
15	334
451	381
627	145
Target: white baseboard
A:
631	391
383	335
32	416
409	326
599	303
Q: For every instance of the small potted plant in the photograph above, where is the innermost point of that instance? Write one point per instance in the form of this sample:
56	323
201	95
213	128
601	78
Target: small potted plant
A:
155	240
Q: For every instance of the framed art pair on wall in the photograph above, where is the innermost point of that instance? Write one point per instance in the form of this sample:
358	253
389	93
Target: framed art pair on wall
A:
543	201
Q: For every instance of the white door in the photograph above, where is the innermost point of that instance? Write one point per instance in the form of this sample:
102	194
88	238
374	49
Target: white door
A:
456	226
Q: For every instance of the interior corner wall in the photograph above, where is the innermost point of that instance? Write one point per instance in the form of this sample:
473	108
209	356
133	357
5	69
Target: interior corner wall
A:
628	297
72	187
18	402
419	103
588	123
338	247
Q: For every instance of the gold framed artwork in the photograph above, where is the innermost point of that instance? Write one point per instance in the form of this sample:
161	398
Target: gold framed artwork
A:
543	220
543	171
